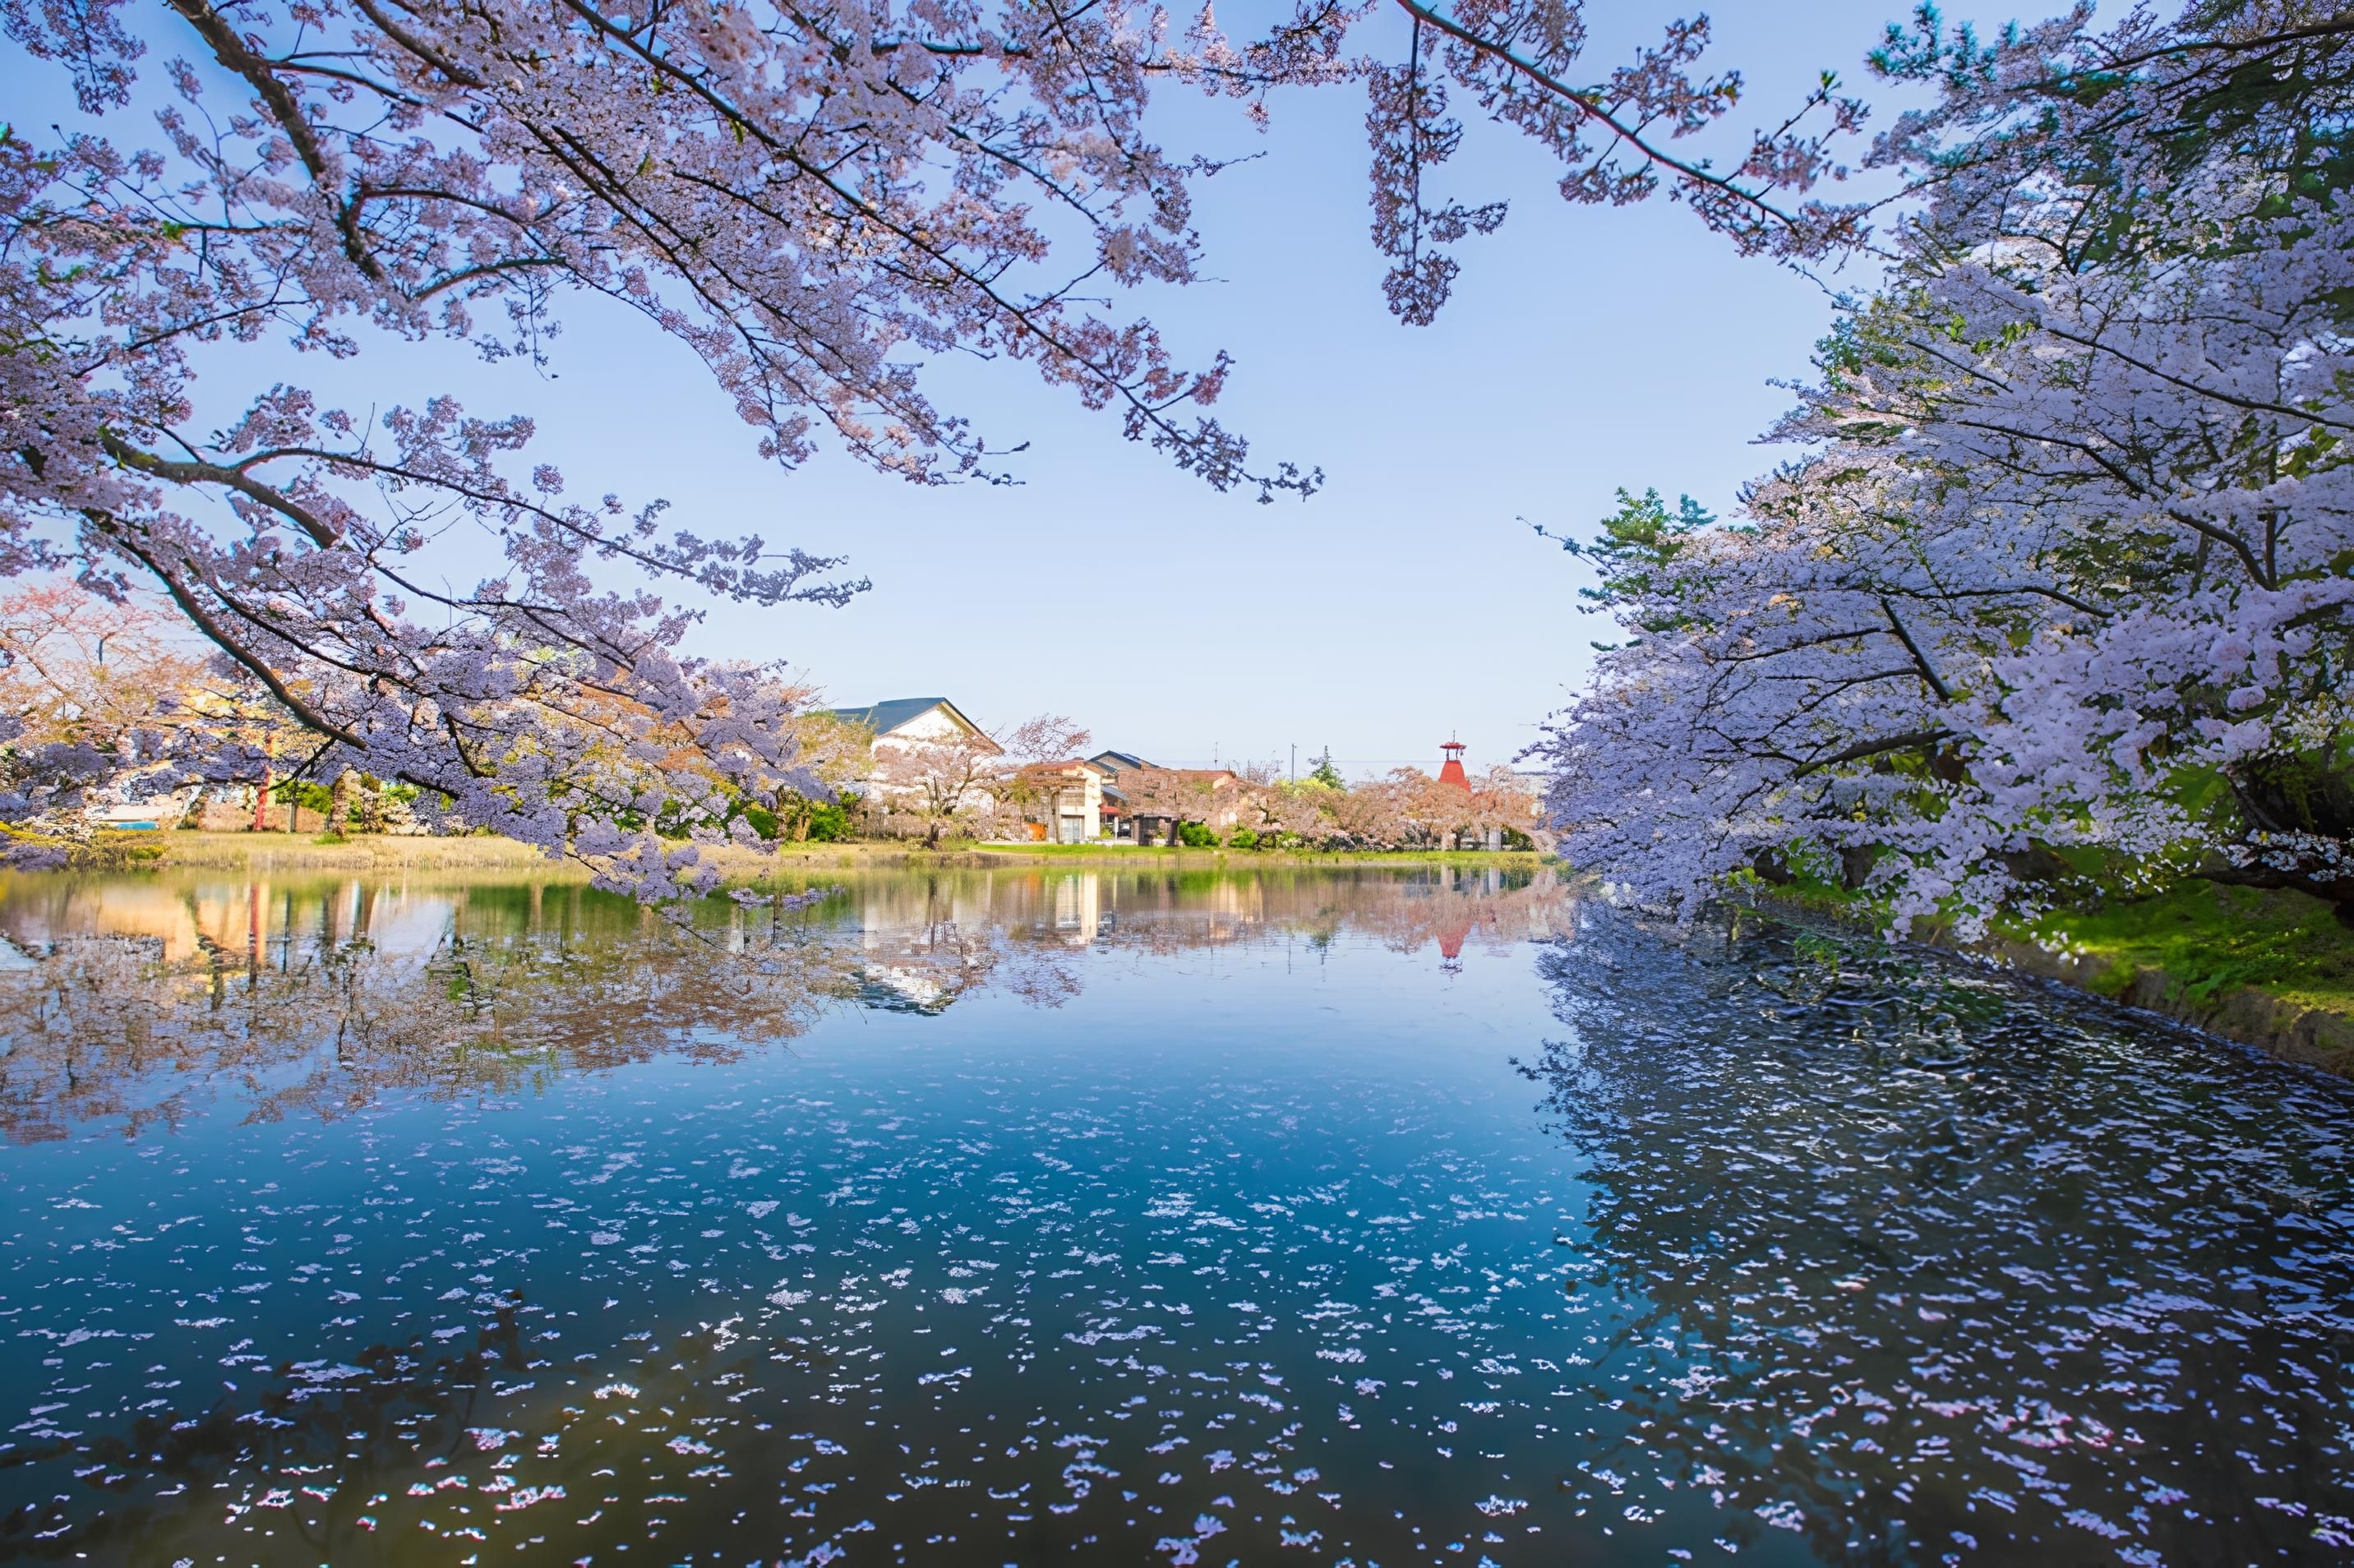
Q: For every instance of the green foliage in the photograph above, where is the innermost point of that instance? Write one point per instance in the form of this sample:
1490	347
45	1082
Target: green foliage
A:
817	822
2211	940
2275	111
1245	839
1635	554
302	793
1194	835
2307	792
1324	773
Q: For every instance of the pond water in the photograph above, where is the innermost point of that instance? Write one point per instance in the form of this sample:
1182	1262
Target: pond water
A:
1016	1217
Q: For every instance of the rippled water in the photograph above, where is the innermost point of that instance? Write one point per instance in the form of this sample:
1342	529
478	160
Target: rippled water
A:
1040	1217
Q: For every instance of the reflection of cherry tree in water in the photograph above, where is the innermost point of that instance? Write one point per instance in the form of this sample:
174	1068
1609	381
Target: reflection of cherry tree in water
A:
382	1417
927	957
351	1459
1402	913
500	1002
1932	1263
294	1003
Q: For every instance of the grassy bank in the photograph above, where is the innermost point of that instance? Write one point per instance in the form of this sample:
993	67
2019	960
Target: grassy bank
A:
302	851
2209	942
295	852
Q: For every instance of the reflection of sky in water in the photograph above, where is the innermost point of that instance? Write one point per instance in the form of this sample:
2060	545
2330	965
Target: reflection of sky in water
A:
1216	1223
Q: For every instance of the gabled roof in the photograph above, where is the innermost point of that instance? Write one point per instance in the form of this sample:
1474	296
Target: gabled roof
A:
882	718
1116	761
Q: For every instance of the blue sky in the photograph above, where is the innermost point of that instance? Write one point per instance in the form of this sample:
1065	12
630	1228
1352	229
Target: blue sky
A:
1586	349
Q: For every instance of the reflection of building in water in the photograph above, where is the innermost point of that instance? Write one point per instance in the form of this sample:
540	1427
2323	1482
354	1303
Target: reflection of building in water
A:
1078	909
924	941
1452	934
245	919
899	987
129	993
920	923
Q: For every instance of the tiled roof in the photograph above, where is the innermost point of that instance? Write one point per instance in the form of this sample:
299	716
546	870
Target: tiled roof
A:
885	718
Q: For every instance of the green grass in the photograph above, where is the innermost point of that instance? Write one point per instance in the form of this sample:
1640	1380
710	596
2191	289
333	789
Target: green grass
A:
298	851
2211	940
487	853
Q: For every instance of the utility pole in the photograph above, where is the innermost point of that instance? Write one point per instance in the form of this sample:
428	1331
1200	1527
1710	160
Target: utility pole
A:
1294	762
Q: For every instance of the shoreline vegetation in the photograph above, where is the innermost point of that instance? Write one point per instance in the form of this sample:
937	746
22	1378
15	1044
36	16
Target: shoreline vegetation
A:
484	851
2271	969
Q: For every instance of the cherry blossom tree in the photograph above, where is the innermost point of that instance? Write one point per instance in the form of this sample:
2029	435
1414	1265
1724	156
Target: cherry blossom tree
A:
90	691
966	781
822	203
931	788
1029	783
808	200
2061	601
819	202
75	666
1286	812
1210	797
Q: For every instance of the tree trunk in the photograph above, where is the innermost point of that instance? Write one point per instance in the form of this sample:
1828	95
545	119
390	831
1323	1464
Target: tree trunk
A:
339	802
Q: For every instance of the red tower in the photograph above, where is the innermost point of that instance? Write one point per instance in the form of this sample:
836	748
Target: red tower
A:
1451	770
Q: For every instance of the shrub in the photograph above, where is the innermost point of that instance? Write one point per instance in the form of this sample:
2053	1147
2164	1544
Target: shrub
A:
1194	835
302	793
1243	839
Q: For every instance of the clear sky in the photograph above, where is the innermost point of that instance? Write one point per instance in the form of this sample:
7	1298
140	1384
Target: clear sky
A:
1586	349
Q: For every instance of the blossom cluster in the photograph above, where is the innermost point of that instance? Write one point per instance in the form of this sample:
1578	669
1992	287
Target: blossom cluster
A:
819	201
2062	595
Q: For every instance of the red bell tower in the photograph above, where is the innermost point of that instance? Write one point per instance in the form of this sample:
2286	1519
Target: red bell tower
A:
1451	770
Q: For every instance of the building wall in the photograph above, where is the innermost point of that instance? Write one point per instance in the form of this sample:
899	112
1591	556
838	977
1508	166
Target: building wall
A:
933	726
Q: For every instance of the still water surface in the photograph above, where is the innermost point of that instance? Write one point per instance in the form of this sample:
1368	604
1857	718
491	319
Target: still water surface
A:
1041	1217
